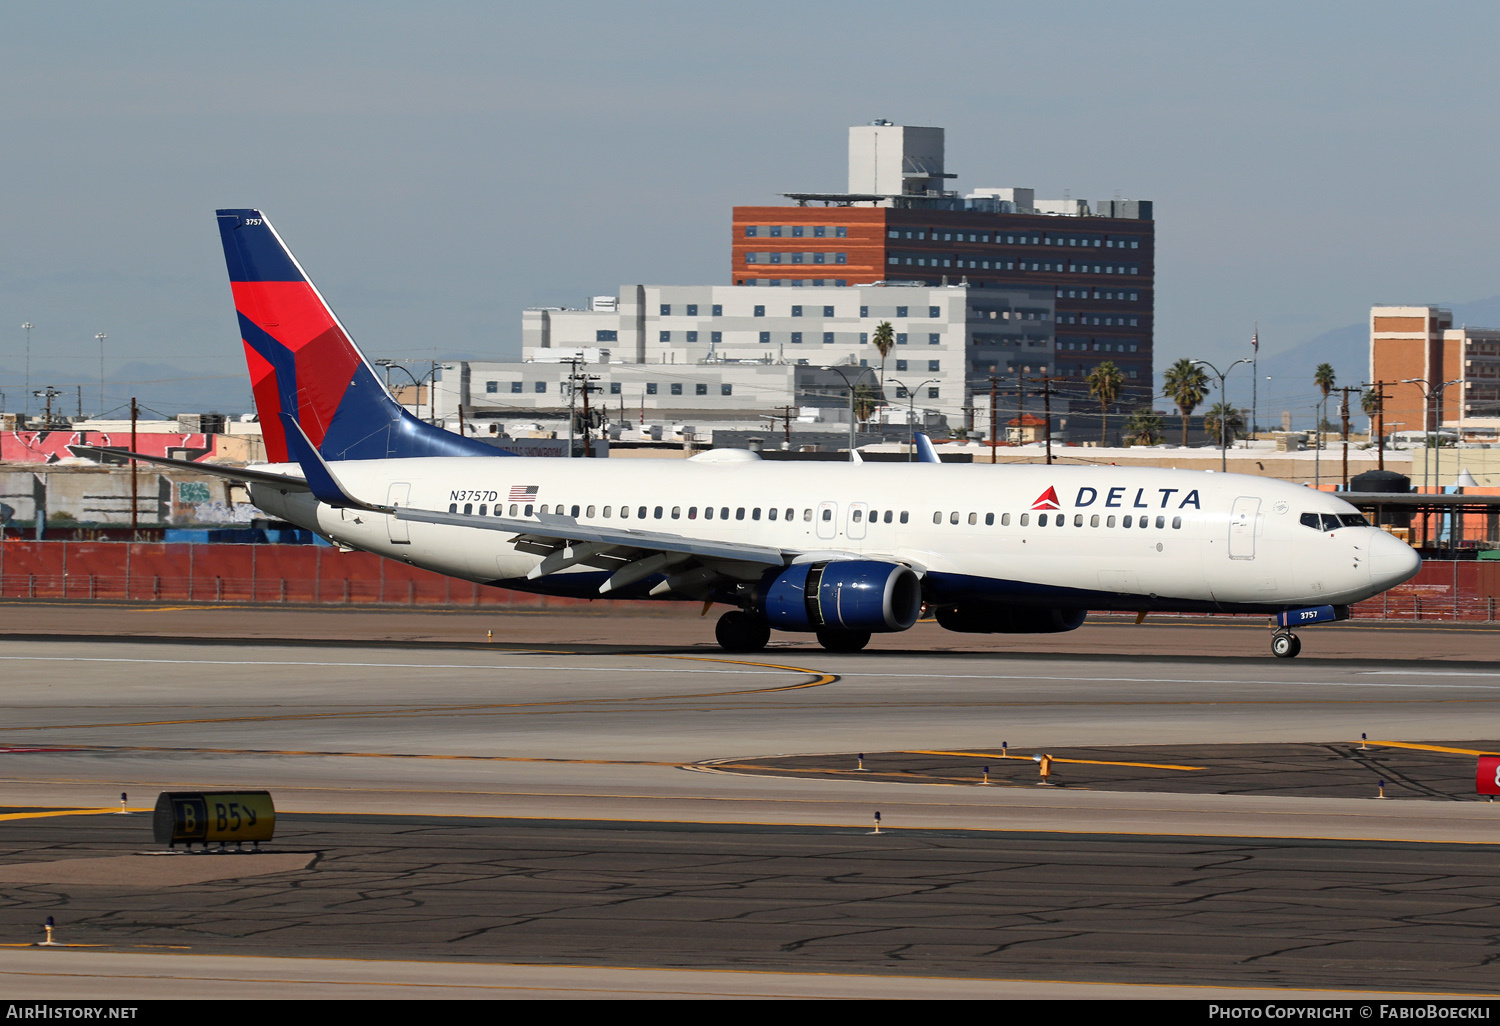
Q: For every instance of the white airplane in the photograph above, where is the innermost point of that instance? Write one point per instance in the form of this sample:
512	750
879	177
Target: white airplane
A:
838	550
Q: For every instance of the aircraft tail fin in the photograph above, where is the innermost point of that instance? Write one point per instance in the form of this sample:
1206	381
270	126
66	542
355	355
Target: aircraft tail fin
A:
925	451
303	364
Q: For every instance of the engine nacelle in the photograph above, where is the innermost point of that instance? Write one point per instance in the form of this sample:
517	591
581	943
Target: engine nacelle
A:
995	618
853	594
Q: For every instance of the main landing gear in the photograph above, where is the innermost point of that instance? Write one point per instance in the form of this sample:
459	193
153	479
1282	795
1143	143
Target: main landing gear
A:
739	631
844	641
1285	645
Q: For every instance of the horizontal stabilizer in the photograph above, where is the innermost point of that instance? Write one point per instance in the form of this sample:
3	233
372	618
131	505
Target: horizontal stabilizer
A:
244	475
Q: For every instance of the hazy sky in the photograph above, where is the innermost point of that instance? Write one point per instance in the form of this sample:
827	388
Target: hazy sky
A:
439	166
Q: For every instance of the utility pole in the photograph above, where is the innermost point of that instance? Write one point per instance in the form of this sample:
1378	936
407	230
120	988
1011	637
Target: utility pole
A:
134	480
1047	393
572	402
786	422
49	393
1380	398
1344	414
587	381
994	414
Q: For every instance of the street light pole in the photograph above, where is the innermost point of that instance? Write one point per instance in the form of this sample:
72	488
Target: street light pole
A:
850	385
28	326
1432	398
1224	402
911	414
100	339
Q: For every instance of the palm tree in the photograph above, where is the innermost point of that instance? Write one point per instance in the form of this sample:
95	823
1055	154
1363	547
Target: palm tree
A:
1325	379
1106	382
1186	385
884	340
1370	404
1229	417
1144	427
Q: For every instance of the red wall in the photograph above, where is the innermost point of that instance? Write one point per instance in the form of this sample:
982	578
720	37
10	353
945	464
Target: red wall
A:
1443	590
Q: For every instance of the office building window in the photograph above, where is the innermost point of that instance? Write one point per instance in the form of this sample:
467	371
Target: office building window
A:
796	311
760	311
666	309
605	335
828	338
692	309
864	338
491	387
716	337
650	388
934	338
932	393
900	392
614	388
901	365
900	338
751	231
726	390
765	338
900	311
515	386
932	365
541	386
700	389
828	311
717	310
666	336
676	388
864	311
933	311
796	338
692	336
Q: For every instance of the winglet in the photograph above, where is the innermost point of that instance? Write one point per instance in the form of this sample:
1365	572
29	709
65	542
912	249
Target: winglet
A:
320	479
925	452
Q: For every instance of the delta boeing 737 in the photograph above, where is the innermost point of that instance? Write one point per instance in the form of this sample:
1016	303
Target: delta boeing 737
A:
841	551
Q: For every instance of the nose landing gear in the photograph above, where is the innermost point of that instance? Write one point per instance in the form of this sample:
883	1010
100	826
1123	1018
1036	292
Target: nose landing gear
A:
1285	645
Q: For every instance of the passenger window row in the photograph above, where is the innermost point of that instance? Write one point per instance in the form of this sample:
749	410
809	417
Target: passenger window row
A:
1060	520
660	512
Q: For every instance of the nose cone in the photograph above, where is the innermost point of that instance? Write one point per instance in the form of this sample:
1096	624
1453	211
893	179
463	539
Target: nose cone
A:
1391	561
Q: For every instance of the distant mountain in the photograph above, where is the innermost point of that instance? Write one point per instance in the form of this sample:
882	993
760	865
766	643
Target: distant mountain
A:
1347	348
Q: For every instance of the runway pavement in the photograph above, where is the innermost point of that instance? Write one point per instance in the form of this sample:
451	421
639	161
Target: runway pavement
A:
580	789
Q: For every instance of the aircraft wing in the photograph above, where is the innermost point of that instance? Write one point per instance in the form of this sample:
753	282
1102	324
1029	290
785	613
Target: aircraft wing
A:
553	527
242	474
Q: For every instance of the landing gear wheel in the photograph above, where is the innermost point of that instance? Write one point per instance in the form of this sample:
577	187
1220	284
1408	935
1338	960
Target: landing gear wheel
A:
737	631
1286	646
844	641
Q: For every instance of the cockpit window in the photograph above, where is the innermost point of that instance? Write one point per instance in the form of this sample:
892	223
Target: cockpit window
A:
1329	522
1353	520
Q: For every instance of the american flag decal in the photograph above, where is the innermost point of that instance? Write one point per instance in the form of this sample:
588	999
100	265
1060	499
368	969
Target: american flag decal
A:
522	493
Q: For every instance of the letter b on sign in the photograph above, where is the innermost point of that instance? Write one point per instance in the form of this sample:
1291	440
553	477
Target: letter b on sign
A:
1487	779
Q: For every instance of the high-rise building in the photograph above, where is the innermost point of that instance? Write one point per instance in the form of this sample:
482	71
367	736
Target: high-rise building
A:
1438	376
897	222
1407	347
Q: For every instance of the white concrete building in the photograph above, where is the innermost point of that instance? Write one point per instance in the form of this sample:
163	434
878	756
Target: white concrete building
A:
724	352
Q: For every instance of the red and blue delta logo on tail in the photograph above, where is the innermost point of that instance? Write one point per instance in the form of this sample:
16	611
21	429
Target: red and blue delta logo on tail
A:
304	364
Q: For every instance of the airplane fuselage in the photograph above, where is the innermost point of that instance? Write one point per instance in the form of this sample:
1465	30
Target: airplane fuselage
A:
1085	537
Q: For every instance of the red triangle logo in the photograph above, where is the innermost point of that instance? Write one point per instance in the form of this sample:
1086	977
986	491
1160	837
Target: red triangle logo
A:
1047	500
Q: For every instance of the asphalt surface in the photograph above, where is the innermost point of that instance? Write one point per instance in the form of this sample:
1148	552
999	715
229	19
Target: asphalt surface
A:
629	804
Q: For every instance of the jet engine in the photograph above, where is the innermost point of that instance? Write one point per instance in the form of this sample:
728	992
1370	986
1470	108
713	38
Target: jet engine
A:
843	595
996	618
